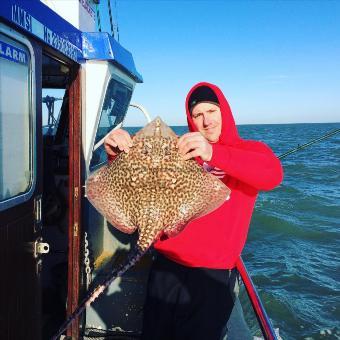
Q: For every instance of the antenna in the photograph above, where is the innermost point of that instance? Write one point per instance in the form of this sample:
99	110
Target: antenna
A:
110	15
96	2
116	11
49	101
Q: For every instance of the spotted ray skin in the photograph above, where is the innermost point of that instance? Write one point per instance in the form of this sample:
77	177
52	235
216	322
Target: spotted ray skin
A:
151	189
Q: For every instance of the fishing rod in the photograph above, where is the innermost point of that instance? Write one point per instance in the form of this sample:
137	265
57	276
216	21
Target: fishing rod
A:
303	146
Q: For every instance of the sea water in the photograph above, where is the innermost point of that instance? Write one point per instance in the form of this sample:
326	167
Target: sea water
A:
293	247
293	244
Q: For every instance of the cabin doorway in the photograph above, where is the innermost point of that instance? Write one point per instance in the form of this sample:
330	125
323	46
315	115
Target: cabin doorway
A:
61	194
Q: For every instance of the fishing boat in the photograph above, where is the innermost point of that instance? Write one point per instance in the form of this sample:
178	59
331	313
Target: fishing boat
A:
54	244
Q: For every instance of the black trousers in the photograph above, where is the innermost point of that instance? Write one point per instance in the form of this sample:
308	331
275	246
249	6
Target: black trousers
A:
185	303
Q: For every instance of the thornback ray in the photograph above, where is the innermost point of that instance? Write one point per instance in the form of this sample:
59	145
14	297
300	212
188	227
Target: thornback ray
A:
153	189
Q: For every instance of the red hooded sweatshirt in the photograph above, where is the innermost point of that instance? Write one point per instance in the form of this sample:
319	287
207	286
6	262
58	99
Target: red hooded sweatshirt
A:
216	240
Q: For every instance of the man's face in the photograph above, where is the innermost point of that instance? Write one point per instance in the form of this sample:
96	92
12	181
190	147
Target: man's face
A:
208	120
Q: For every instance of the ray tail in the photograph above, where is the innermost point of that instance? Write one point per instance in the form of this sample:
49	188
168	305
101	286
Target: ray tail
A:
132	259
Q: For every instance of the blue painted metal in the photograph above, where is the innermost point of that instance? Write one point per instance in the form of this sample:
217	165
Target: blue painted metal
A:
13	53
38	20
102	46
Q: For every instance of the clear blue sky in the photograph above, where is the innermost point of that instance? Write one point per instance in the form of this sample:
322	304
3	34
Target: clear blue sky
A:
276	61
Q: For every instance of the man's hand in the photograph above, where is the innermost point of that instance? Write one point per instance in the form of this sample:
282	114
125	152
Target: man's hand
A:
117	141
193	144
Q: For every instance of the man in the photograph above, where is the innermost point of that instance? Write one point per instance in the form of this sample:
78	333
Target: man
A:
191	281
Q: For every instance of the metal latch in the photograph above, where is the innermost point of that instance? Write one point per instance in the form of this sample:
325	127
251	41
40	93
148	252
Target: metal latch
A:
40	248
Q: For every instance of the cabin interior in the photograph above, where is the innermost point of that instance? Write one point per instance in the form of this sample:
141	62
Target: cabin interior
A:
55	79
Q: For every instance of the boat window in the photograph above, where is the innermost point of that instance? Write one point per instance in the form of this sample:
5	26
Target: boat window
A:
55	79
16	126
115	106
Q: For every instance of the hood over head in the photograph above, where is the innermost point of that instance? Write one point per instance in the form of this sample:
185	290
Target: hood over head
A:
229	134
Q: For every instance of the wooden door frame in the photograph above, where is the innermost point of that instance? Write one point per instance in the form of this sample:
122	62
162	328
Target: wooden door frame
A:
75	190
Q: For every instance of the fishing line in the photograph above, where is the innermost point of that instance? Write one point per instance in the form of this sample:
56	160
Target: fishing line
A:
303	146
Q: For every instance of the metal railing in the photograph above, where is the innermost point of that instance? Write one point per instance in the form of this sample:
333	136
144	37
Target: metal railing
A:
261	315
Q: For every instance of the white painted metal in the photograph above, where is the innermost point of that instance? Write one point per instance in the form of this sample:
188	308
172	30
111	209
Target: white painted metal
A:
96	76
80	13
101	142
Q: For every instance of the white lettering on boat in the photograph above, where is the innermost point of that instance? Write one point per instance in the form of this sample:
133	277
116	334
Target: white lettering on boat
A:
13	53
29	23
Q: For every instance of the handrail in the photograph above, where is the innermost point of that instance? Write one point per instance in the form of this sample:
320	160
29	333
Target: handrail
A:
101	142
262	317
143	109
120	125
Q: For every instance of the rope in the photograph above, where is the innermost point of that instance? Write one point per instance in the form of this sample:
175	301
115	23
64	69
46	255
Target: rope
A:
303	146
110	15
